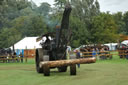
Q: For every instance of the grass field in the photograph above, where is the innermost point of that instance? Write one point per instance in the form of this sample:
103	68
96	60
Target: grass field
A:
106	72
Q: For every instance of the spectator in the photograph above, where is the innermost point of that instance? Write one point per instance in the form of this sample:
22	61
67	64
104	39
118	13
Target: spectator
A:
78	56
8	58
68	50
93	53
21	57
102	54
97	52
14	57
86	54
126	53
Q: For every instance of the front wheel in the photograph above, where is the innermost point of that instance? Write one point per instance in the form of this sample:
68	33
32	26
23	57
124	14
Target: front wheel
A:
46	70
73	69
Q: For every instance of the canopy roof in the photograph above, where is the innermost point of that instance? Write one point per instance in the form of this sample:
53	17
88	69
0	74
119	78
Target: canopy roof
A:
125	42
27	43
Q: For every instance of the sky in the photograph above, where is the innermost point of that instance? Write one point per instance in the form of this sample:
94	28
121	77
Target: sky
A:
51	2
105	5
113	5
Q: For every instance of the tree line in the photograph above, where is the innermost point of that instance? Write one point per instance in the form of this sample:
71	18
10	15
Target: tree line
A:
21	18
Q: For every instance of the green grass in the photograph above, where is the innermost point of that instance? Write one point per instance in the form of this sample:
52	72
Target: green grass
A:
105	72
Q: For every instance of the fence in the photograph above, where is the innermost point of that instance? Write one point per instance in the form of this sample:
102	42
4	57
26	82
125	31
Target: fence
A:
107	54
28	53
8	59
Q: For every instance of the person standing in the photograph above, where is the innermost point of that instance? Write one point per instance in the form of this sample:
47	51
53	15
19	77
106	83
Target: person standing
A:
78	56
68	50
14	57
102	54
21	57
93	53
126	53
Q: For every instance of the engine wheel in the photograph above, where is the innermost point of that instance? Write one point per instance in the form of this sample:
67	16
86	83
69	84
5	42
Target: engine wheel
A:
37	60
73	69
62	69
46	70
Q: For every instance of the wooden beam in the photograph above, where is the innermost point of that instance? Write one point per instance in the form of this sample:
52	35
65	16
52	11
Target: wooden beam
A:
60	63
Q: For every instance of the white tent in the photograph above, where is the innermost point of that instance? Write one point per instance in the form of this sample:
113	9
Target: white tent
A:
27	42
125	42
112	46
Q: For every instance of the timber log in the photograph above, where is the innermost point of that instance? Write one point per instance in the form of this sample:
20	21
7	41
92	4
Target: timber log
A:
59	63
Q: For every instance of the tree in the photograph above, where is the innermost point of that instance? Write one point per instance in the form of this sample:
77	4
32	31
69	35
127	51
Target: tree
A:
85	9
28	12
9	10
104	29
79	32
118	17
8	36
60	3
81	18
1	1
33	25
44	9
22	18
125	19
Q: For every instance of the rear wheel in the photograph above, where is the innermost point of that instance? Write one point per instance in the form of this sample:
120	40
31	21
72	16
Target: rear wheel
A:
37	60
73	69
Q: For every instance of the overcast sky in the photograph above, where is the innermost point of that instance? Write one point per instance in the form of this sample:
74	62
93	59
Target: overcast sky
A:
105	5
113	5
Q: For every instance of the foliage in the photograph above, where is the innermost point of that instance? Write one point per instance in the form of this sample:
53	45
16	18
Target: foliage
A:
118	17
60	3
21	17
8	36
86	9
82	13
104	29
88	24
30	25
79	32
125	19
44	9
27	12
9	10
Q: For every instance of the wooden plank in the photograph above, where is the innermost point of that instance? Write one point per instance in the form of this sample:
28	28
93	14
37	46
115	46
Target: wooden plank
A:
59	63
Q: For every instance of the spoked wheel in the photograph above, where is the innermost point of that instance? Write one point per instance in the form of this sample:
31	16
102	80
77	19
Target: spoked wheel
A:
73	69
37	60
62	69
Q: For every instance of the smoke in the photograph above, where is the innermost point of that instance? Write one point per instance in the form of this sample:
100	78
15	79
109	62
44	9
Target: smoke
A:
51	23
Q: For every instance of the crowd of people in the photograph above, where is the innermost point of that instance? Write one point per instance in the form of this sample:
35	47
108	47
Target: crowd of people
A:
16	58
12	57
99	53
123	53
